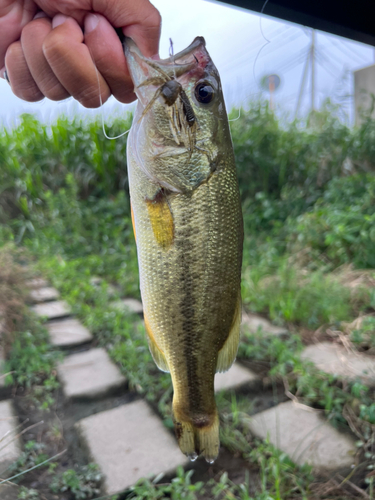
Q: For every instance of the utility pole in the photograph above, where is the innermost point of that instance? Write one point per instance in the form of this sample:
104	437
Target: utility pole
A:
312	56
310	61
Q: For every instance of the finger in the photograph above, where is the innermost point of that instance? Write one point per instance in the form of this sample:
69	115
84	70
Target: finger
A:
32	39
13	16
71	62
140	20
21	80
108	55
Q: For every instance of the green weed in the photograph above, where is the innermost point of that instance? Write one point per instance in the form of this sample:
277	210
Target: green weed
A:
83	483
27	494
33	454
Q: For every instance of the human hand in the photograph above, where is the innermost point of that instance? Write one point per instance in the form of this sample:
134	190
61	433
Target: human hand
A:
50	48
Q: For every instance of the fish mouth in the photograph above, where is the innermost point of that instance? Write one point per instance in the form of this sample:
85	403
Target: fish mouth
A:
194	57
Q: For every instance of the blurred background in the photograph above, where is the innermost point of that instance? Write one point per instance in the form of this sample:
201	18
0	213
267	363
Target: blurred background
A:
84	412
246	47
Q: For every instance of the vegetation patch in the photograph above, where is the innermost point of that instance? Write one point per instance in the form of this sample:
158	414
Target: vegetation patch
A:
308	198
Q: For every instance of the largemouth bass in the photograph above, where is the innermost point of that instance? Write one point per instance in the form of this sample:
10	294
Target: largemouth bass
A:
188	226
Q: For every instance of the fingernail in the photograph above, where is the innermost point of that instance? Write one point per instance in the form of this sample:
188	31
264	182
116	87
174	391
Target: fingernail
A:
40	14
91	22
59	19
2	73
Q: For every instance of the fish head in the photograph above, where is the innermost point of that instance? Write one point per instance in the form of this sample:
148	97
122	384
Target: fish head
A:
180	125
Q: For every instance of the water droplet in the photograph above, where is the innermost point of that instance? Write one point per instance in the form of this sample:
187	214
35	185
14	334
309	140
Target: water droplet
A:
210	460
193	457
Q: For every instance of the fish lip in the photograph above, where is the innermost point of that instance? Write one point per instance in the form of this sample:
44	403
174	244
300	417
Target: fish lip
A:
198	41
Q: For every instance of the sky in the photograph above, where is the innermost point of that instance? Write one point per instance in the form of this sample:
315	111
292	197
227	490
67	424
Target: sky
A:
245	47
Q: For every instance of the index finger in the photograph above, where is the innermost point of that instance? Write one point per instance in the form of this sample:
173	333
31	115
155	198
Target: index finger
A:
139	19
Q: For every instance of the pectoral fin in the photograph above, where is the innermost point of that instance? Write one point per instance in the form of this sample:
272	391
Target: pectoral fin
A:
228	352
157	353
161	219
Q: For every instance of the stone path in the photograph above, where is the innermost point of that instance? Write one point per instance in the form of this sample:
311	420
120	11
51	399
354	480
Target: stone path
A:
130	305
300	432
2	368
44	294
10	447
335	359
129	442
52	310
68	333
89	374
237	376
254	322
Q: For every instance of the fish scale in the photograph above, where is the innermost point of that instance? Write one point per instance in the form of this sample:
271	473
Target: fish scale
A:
189	243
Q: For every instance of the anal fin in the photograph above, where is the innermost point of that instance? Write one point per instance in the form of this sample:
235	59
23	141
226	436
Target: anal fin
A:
157	353
228	352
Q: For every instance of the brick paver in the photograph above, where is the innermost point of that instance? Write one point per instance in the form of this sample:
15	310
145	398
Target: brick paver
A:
44	294
235	377
10	448
335	359
305	436
128	443
68	332
89	374
52	310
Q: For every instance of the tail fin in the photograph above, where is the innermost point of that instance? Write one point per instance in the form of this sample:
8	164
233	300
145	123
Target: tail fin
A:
198	435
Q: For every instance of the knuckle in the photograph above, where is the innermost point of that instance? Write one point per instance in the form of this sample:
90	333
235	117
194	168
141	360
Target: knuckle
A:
55	91
90	97
154	18
29	93
53	46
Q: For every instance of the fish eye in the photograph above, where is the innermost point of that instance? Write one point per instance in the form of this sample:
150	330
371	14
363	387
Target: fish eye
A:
204	93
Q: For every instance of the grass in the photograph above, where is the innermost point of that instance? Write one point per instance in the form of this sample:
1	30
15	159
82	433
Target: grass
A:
309	237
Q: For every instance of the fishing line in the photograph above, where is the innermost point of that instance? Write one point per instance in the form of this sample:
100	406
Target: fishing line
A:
101	105
171	54
238	117
261	30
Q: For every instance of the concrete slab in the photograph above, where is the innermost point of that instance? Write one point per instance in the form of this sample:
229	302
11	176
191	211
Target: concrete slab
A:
10	447
44	294
305	436
128	443
68	332
2	369
36	283
254	322
52	310
235	377
335	359
131	305
89	374
9	491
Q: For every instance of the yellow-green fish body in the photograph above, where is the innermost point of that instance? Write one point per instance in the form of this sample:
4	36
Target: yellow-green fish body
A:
188	225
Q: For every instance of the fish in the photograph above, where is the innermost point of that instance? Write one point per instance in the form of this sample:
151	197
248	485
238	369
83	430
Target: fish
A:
187	221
